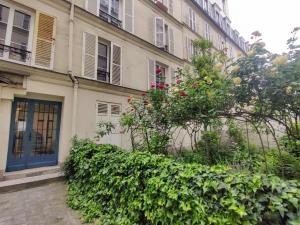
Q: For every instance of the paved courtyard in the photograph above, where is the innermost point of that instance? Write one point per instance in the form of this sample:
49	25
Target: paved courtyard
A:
44	205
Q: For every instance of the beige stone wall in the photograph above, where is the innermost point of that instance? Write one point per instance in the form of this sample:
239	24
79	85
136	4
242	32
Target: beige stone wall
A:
55	84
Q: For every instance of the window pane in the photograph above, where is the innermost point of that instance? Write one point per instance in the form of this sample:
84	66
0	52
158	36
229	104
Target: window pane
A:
4	11
21	20
115	8
102	63
115	109
102	56
102	49
104	5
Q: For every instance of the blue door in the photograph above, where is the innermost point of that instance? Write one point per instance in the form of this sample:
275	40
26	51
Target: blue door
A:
34	134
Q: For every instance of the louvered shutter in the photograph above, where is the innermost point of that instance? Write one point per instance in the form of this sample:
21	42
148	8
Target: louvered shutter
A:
171	7
89	55
116	66
92	6
129	18
172	44
45	40
159	32
151	73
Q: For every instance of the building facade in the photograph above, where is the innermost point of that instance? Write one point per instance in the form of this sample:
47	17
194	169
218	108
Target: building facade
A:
64	65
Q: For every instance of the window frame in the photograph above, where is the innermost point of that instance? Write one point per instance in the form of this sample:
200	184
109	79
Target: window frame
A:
9	29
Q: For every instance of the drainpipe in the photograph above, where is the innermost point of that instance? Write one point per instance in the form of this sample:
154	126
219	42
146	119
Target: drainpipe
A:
70	70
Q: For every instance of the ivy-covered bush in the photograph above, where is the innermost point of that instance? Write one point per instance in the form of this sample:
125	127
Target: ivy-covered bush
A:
119	187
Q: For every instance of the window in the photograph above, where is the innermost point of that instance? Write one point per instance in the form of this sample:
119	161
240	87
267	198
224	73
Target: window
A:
157	74
217	17
164	35
160	71
109	11
207	32
15	34
192	19
103	62
110	112
101	59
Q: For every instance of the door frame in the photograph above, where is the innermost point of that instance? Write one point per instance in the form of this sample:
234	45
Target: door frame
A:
26	162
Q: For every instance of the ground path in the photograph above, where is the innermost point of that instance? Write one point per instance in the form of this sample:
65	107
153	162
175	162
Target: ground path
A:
43	205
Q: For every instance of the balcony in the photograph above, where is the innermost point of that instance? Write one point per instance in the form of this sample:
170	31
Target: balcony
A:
103	76
14	53
110	19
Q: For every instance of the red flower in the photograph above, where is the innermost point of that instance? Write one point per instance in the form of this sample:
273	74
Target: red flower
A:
143	94
167	85
129	99
152	85
178	81
182	93
161	86
158	70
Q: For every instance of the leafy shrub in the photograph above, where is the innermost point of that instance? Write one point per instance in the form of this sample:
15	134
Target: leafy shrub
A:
285	165
119	187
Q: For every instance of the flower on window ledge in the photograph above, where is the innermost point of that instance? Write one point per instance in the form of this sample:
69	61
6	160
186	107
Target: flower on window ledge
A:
178	82
152	85
182	93
143	94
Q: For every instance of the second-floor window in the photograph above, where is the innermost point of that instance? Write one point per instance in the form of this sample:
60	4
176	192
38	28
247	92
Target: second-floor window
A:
102	60
15	34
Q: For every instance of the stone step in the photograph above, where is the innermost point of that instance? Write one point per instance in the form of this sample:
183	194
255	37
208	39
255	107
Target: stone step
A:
31	172
28	182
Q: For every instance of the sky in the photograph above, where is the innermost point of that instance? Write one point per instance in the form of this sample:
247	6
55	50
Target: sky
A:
275	19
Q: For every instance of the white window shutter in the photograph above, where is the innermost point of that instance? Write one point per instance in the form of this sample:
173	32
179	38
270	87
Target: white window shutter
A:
151	73
45	37
89	65
92	6
159	32
129	16
116	64
172	41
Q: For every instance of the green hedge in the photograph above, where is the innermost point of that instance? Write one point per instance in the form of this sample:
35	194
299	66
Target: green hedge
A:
118	187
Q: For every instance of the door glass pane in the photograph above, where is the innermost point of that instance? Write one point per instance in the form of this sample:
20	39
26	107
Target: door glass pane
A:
43	135
19	129
19	36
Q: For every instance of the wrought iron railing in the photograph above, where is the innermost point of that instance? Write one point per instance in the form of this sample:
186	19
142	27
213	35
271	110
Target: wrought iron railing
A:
103	75
109	18
18	54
